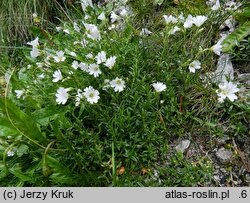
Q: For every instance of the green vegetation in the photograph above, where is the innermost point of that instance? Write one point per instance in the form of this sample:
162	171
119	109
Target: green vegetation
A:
54	131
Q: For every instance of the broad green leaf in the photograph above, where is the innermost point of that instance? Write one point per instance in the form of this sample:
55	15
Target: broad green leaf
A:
22	122
22	149
246	12
6	129
235	37
243	15
45	115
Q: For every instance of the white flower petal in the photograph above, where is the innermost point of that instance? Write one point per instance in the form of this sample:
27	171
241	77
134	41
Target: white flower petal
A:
159	86
118	84
62	95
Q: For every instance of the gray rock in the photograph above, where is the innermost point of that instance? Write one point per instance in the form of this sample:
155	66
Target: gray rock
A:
222	140
224	155
183	146
224	69
247	178
244	77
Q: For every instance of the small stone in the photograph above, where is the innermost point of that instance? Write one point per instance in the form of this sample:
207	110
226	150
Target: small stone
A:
183	145
247	178
216	177
245	78
224	155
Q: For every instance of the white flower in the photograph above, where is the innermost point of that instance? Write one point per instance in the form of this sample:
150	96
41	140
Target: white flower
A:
89	56
91	94
11	153
59	56
111	27
227	90
170	19
42	76
76	42
92	31
189	22
85	4
106	84
79	96
174	30
72	54
40	65
75	65
123	12
76	27
57	76
159	86
194	65
84	42
216	6
19	93
62	95
199	20
217	48
58	29
110	62
34	43
66	31
181	17
101	57
34	15
118	84
84	67
101	16
114	17
94	70
145	31
47	60
34	52
86	17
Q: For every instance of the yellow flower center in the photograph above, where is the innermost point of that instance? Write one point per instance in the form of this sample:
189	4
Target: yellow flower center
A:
91	95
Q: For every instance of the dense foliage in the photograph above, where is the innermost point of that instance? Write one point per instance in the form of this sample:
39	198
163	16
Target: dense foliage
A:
96	101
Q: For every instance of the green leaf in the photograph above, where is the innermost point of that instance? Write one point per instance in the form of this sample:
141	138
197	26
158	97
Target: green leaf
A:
45	115
41	33
235	37
21	122
6	129
22	149
244	14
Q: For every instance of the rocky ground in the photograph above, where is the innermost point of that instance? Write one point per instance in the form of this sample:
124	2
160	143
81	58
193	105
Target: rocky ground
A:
229	156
